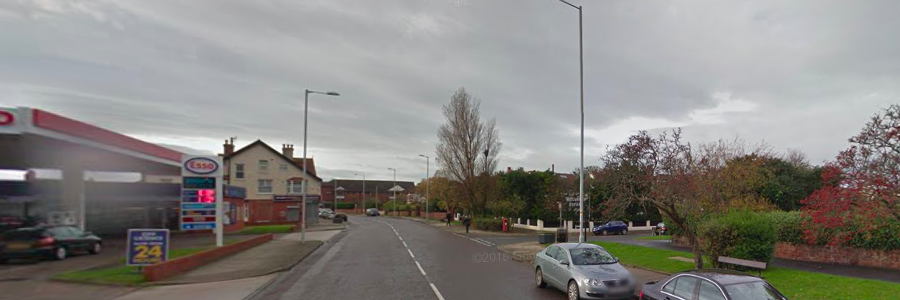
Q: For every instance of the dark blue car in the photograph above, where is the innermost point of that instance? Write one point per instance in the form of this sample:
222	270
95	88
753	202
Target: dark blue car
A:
617	227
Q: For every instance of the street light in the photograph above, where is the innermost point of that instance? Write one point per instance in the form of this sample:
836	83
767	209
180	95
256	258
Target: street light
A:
394	201
427	183
581	165
305	173
364	191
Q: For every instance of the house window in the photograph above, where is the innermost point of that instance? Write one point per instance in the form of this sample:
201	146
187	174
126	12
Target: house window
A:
264	187
295	187
282	167
263	164
239	171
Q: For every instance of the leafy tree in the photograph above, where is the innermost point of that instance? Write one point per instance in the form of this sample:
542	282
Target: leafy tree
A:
867	193
789	182
684	183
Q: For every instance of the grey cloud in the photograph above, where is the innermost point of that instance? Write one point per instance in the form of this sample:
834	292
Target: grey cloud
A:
203	71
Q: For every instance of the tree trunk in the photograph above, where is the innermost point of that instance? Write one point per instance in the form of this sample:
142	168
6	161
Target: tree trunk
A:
695	248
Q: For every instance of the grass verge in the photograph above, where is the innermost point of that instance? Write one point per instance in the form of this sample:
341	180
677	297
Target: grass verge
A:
120	274
267	229
795	284
655	238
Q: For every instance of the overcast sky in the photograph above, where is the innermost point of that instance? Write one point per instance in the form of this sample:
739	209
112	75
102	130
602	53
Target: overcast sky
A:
795	74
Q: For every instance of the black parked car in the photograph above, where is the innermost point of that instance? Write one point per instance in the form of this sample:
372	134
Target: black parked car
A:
611	227
55	242
712	284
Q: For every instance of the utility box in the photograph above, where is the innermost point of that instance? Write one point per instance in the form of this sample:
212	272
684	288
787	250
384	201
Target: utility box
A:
545	238
562	235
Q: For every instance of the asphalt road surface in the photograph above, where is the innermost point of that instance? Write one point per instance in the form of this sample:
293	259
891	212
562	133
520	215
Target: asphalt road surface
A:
386	258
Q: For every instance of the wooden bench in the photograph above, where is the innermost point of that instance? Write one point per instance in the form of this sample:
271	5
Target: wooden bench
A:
758	265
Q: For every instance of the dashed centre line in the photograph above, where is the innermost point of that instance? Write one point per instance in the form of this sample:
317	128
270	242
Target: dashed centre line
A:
433	287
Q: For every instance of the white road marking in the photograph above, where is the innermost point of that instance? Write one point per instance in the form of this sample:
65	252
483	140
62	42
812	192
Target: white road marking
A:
420	268
433	288
436	292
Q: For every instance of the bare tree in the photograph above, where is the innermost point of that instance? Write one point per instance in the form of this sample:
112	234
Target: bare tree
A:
468	147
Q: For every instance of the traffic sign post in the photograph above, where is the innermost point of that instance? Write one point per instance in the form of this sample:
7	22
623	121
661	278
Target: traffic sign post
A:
201	195
147	247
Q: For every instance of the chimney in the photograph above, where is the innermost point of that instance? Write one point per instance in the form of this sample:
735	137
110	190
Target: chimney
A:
287	150
508	170
553	168
229	147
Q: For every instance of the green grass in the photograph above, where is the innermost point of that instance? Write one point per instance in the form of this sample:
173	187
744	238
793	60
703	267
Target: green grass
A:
267	229
655	238
795	284
121	274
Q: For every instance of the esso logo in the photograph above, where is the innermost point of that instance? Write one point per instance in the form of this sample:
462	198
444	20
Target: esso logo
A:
201	165
7	118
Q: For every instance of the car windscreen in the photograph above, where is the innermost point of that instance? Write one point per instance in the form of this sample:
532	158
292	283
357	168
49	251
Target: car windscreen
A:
20	235
757	290
591	256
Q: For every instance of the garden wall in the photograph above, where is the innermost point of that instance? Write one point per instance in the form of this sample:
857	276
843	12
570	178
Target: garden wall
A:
841	255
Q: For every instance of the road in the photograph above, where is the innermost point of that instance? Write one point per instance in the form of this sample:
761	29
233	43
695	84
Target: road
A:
387	258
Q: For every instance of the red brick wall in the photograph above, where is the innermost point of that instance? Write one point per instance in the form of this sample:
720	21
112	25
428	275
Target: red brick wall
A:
180	265
840	255
264	212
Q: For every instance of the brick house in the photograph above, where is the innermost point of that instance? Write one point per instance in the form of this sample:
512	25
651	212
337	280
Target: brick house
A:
273	182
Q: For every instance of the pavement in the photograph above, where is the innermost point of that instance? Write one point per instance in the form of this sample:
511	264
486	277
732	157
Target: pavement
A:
220	290
396	258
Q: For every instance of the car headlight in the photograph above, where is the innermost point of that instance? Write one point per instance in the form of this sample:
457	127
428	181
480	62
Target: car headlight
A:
592	282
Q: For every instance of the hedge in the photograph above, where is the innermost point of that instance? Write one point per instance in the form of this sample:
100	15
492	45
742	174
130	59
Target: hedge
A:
741	234
884	236
346	205
489	224
788	225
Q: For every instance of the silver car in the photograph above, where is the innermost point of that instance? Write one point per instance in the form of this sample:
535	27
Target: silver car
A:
584	271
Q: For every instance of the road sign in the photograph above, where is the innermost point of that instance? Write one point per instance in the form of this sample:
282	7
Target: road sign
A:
147	247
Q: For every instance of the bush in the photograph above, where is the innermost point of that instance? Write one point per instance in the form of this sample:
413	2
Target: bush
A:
346	205
489	224
388	206
788	226
885	235
739	234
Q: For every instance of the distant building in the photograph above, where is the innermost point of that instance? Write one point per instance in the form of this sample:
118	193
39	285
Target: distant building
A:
353	190
273	181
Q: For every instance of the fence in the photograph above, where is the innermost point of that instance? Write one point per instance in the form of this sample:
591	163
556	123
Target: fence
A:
539	225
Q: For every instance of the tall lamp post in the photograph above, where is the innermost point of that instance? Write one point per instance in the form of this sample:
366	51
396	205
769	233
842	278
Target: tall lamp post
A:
394	201
305	173
427	183
364	191
581	165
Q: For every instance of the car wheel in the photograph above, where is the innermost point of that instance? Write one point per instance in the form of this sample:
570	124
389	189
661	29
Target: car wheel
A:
573	291
625	232
95	249
604	232
60	254
539	278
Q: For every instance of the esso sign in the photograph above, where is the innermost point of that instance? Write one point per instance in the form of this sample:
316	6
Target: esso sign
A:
7	118
201	165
